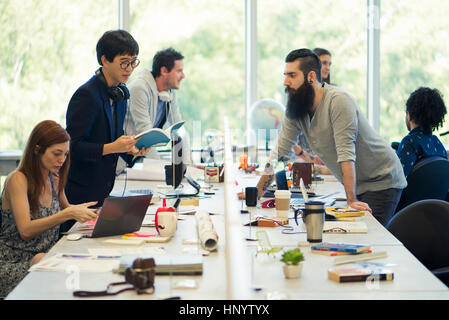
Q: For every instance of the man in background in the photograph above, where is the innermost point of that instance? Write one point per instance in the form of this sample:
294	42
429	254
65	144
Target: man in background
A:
153	102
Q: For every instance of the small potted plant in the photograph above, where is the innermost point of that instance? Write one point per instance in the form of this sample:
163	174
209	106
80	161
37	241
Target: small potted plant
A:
293	263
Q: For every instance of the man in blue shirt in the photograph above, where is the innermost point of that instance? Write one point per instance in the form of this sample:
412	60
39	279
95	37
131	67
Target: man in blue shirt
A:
425	113
95	117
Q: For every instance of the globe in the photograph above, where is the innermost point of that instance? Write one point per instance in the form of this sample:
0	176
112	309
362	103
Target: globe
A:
266	114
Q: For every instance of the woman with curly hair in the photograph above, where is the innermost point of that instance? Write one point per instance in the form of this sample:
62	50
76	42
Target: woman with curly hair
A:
424	113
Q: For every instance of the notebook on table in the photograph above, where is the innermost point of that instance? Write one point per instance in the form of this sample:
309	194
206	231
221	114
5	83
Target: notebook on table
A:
119	216
167	264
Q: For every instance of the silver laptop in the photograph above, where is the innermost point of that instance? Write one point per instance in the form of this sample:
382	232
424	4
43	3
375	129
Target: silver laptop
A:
120	215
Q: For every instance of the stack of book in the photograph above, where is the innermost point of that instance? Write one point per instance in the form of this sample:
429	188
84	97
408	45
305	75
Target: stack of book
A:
344	213
166	264
358	273
335	249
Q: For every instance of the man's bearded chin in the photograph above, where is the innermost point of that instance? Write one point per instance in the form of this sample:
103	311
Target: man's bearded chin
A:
300	101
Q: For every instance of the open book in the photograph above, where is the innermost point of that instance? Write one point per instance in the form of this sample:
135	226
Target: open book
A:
156	137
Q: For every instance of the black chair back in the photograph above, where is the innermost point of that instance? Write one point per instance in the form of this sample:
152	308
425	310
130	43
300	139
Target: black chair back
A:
429	179
423	228
395	145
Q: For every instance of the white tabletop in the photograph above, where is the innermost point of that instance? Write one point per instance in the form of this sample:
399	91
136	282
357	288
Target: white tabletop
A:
411	279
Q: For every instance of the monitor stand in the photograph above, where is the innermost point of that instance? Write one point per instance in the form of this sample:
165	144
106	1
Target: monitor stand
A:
185	192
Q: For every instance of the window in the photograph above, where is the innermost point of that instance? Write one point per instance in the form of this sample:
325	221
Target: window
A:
210	36
338	26
414	52
47	50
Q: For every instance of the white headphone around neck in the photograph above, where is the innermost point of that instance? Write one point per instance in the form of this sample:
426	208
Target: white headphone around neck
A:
164	96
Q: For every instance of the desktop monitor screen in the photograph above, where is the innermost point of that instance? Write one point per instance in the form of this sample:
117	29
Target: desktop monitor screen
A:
177	167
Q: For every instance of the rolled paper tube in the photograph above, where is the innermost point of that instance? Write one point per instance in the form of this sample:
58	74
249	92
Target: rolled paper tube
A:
206	232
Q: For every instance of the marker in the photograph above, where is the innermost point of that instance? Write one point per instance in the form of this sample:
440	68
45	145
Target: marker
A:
108	257
76	256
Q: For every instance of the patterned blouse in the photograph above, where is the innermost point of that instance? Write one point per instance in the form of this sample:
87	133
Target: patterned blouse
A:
16	253
418	145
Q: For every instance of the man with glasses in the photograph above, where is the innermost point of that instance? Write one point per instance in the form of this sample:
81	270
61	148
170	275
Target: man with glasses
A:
153	102
95	117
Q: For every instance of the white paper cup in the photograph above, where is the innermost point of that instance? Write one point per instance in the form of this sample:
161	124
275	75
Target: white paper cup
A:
282	199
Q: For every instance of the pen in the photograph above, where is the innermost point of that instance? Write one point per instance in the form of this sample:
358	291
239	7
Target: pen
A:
108	257
75	256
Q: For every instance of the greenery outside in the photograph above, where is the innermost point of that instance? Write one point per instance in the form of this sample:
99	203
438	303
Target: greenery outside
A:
48	51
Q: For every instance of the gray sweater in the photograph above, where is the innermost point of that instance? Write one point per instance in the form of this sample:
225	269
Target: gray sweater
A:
143	103
339	132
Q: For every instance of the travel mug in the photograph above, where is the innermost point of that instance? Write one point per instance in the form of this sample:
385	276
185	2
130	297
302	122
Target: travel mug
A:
313	215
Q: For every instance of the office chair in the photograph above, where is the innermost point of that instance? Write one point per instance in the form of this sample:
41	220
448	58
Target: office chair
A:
281	180
423	228
429	179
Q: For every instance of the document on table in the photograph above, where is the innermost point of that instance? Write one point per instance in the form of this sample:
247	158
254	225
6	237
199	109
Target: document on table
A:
150	169
64	262
345	227
122	250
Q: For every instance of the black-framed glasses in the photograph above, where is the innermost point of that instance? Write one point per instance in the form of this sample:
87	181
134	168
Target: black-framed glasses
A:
125	64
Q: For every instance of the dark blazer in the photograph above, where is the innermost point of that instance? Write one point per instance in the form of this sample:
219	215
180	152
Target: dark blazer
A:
89	122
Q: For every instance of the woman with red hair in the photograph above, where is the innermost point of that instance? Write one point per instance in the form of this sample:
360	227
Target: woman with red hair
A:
33	203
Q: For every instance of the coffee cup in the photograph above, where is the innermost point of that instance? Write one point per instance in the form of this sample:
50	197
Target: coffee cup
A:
282	199
313	216
166	223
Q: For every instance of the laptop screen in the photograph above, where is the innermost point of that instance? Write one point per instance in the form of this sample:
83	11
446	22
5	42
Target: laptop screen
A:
120	215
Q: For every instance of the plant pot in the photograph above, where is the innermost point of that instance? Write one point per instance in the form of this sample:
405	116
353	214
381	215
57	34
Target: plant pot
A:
292	271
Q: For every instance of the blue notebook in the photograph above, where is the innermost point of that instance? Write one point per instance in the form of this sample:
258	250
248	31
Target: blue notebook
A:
156	137
347	247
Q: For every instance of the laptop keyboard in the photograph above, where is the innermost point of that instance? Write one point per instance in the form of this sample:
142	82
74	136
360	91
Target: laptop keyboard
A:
295	189
300	201
297	202
142	191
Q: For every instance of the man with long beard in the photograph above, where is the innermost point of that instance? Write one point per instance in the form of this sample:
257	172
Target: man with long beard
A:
340	135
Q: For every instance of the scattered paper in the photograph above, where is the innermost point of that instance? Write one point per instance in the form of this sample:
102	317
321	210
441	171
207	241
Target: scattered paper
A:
69	262
151	169
120	251
345	227
185	284
195	250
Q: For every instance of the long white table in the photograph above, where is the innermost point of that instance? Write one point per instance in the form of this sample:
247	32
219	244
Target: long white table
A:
411	279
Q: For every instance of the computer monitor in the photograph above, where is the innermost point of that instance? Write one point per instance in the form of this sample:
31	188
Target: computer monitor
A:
176	171
177	168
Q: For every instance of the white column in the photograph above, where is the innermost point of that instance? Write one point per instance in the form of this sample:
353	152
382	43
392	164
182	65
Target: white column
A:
238	261
123	15
373	63
250	59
